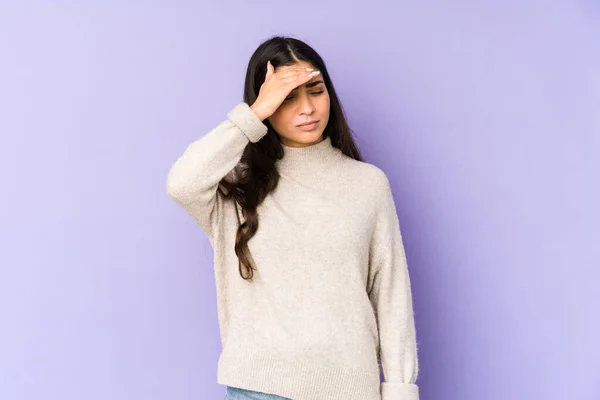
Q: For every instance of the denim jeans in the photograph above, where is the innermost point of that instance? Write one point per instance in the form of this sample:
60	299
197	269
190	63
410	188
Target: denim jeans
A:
234	393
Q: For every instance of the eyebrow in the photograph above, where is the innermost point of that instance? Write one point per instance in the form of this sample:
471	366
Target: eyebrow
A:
310	84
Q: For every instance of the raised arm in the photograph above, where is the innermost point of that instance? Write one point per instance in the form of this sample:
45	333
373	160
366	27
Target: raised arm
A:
194	177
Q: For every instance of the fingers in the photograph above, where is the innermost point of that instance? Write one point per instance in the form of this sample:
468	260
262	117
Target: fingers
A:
285	71
312	74
294	72
291	75
300	75
303	78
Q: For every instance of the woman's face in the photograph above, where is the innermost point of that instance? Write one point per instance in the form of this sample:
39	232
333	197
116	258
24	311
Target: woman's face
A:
308	102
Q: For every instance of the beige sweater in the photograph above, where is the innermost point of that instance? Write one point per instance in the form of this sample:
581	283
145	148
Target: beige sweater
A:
331	297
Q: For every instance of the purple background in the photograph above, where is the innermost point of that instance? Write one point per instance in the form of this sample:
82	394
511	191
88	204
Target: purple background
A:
484	114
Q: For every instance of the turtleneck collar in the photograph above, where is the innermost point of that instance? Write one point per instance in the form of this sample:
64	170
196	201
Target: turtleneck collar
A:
307	157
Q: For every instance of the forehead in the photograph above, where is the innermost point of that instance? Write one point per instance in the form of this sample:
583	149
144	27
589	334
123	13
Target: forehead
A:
304	64
299	64
316	80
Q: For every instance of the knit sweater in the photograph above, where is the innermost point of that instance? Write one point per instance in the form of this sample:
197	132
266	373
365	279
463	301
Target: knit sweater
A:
330	301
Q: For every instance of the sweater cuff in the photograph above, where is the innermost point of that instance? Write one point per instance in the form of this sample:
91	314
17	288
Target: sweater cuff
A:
245	119
399	391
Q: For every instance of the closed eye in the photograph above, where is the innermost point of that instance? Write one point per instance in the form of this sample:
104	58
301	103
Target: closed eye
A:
313	93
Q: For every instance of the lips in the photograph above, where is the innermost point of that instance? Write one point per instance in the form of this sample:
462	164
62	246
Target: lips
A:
308	123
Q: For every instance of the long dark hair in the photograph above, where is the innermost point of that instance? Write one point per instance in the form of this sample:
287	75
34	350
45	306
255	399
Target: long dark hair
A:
256	175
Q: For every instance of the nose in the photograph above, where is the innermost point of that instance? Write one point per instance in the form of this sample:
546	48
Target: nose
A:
305	104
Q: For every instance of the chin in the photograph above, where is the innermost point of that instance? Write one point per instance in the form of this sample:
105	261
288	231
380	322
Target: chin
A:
307	137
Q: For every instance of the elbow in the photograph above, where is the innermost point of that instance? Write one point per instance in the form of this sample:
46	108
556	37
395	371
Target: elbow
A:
175	187
185	189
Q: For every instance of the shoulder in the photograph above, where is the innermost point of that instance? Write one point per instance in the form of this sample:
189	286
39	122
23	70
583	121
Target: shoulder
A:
366	184
369	176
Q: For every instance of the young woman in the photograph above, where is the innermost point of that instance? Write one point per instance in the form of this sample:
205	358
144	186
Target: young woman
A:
312	282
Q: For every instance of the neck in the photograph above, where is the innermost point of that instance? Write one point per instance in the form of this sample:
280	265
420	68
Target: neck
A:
308	158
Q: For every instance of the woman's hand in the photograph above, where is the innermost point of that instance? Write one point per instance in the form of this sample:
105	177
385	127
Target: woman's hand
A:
277	86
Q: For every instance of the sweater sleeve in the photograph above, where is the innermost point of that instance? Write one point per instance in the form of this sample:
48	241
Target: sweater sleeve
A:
194	177
391	298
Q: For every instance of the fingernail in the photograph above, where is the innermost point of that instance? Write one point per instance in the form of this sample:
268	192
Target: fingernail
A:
309	69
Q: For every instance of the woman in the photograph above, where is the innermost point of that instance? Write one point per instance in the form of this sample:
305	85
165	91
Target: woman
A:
312	282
